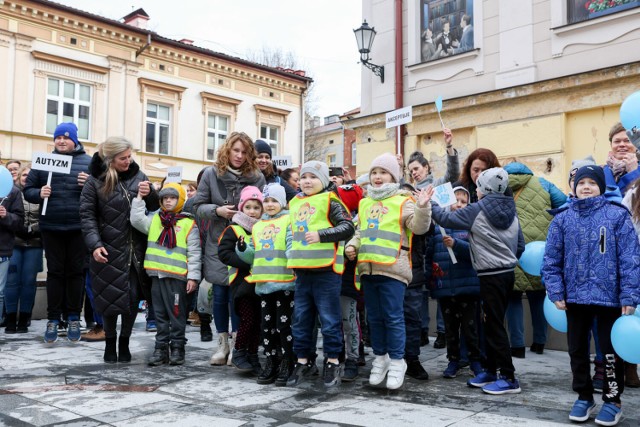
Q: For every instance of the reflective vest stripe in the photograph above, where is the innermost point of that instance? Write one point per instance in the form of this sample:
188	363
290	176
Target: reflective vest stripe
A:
272	253
313	253
160	258
163	260
278	269
379	250
177	250
270	258
380	234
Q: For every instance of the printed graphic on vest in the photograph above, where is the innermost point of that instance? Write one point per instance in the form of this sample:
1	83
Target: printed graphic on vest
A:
267	238
374	216
302	222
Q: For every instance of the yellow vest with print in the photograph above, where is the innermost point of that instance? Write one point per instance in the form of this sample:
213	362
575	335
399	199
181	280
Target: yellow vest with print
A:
160	258
311	213
270	243
239	232
381	230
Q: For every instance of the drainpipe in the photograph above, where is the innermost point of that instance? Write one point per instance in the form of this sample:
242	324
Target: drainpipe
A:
143	48
302	124
399	85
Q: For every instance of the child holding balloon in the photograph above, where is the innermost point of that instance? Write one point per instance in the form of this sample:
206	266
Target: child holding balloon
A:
590	270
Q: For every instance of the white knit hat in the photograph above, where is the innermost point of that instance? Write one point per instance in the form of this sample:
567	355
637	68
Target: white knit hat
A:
494	180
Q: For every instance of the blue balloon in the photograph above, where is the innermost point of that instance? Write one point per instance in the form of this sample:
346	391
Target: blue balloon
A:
630	111
625	338
531	258
556	318
6	182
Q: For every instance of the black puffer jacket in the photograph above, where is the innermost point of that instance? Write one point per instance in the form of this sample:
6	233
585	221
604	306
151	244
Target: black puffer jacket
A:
12	222
105	223
63	208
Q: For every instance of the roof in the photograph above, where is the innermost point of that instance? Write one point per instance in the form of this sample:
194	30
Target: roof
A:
136	12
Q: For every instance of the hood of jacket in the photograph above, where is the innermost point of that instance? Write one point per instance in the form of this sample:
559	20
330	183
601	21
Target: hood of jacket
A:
97	169
500	210
517	168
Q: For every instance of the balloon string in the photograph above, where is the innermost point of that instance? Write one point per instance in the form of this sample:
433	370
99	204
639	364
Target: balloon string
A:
2	201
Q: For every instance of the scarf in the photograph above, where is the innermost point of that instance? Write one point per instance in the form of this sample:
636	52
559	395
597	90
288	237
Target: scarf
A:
618	167
168	220
244	221
384	191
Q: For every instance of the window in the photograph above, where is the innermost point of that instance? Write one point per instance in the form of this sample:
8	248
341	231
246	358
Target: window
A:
158	126
331	159
353	154
582	10
271	135
217	129
68	102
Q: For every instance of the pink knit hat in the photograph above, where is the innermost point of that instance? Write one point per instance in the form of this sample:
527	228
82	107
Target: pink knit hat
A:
249	193
388	162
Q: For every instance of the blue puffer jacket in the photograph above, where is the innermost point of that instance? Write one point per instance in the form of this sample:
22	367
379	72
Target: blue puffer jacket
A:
63	209
457	279
592	255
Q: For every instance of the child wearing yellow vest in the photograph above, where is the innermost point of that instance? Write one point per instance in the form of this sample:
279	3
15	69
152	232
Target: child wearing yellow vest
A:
266	251
173	262
382	244
243	295
319	225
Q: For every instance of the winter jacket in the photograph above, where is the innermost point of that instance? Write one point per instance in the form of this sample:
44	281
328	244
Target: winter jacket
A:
29	234
106	223
627	202
453	171
206	200
592	255
625	180
142	222
12	222
420	260
457	279
63	208
413	218
240	288
533	197
496	239
288	190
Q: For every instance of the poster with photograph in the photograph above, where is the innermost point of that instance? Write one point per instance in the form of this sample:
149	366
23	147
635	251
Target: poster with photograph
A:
582	10
446	28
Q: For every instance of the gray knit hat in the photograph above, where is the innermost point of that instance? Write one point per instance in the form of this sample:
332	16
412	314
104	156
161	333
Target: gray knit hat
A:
275	191
494	180
319	169
577	164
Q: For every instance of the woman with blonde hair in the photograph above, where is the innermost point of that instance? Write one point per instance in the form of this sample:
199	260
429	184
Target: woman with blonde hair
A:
217	201
117	249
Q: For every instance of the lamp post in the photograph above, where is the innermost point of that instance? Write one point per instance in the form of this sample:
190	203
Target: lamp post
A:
364	37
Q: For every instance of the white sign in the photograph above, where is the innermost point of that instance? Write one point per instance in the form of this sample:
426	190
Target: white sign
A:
282	162
444	195
51	162
399	117
174	174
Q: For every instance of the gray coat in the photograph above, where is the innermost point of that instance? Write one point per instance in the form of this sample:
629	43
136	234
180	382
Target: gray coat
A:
451	175
205	202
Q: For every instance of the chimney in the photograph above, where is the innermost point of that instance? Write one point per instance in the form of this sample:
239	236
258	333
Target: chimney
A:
187	41
138	18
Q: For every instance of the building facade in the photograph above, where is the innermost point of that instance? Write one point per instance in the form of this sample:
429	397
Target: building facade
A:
176	102
538	80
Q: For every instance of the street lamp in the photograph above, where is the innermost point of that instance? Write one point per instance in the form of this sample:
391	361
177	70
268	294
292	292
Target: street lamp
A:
364	37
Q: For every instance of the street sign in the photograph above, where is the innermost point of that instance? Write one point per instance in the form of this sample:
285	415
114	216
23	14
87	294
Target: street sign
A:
283	162
399	117
174	174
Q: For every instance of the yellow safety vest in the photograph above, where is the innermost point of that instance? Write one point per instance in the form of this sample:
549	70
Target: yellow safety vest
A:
381	230
311	213
239	231
270	242
161	258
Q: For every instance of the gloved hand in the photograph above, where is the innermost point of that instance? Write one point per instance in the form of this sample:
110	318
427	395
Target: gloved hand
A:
241	245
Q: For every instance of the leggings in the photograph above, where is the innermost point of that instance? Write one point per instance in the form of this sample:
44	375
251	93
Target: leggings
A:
129	319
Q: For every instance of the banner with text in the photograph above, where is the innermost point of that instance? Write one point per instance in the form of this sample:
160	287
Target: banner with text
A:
51	162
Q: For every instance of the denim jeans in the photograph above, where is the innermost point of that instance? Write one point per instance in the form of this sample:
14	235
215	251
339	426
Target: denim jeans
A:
222	308
384	300
317	293
412	322
97	317
515	318
25	264
4	272
424	314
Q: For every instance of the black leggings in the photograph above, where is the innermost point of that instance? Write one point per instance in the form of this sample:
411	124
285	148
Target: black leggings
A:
126	326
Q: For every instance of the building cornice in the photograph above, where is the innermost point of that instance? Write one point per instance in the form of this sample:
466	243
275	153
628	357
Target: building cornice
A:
69	62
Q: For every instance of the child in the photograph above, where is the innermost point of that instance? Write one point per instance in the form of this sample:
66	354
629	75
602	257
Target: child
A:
591	270
458	291
172	258
246	303
496	243
274	282
387	219
319	223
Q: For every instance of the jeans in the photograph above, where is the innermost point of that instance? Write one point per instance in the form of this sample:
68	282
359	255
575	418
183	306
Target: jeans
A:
413	299
317	293
384	300
4	272
222	308
25	264
424	314
97	317
515	318
594	332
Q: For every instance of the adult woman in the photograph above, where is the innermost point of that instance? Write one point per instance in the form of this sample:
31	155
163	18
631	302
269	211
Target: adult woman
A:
216	200
117	249
292	177
478	161
191	190
268	170
420	169
25	264
622	164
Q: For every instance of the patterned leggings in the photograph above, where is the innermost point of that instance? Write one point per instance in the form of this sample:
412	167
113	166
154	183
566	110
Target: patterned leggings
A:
248	335
277	309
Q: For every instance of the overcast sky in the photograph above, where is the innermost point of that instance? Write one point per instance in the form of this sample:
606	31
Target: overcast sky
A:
319	33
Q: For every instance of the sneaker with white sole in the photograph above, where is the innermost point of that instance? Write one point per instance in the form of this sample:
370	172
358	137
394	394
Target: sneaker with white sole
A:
379	369
482	379
609	414
73	332
395	376
582	410
51	334
503	386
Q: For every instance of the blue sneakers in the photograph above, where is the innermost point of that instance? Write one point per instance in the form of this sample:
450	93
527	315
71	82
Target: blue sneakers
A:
51	334
151	326
482	379
502	386
609	415
582	410
73	331
476	368
452	369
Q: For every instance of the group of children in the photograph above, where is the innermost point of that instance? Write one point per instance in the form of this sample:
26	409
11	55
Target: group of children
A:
286	273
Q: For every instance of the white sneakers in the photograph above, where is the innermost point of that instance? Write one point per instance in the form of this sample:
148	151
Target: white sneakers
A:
393	369
219	358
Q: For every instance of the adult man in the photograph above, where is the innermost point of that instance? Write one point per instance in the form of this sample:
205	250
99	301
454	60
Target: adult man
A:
61	235
466	41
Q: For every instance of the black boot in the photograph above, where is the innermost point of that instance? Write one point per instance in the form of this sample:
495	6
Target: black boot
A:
269	371
110	354
285	370
124	355
440	341
24	320
255	364
416	370
160	355
10	323
177	354
206	334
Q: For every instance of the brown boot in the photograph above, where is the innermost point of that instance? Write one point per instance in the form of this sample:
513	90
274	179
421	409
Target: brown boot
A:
631	375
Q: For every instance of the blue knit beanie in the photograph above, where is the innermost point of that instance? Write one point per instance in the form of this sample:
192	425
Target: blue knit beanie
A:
70	130
263	147
594	172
